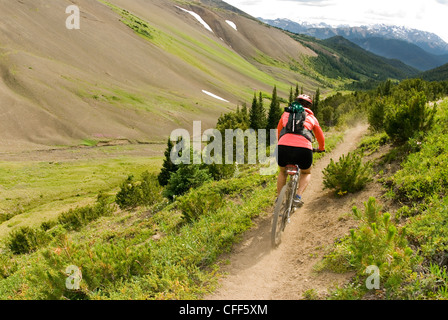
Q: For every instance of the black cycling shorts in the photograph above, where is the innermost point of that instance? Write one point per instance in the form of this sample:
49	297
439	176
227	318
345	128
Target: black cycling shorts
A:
303	157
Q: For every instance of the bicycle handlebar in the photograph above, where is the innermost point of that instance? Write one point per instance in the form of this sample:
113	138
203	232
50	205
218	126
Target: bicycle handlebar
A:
318	151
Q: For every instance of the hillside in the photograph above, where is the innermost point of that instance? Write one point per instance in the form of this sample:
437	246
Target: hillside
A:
138	69
338	57
409	53
437	74
105	81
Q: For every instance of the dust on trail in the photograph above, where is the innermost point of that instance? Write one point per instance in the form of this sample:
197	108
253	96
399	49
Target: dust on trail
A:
256	272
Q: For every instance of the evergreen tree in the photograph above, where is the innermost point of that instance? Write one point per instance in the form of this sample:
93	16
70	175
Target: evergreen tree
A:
275	112
168	166
244	109
291	96
257	114
263	119
316	101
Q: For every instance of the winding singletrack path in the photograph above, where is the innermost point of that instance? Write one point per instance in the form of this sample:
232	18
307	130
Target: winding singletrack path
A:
256	272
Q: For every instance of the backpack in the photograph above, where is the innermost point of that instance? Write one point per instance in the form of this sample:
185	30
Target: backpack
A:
296	121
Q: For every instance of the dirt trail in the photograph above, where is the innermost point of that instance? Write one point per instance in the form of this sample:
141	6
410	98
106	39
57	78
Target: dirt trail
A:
256	272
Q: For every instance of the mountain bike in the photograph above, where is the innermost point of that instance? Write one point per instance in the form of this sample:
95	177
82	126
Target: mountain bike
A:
284	207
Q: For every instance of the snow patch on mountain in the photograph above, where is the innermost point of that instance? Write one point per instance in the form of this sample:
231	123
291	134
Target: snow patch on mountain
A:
198	17
214	96
232	24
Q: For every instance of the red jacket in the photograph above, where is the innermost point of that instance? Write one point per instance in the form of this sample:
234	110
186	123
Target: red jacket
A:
296	140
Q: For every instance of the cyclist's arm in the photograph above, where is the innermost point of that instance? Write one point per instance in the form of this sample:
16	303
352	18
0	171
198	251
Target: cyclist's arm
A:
279	128
319	134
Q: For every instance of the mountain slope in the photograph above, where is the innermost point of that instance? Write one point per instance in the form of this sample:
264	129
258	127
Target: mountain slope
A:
409	53
437	74
108	81
342	58
419	49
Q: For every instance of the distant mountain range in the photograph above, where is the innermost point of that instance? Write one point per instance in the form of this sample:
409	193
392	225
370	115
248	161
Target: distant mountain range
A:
419	49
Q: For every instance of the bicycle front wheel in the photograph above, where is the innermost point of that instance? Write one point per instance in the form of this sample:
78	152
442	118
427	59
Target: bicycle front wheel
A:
280	215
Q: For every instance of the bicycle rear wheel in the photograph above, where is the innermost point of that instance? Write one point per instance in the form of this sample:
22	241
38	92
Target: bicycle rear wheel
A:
280	216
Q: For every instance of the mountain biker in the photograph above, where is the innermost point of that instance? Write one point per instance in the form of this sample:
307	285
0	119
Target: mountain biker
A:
296	149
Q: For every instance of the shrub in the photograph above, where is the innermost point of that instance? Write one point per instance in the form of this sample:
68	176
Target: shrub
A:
186	177
134	193
349	174
428	230
74	219
102	265
402	121
27	240
130	194
372	143
425	173
199	202
375	114
379	242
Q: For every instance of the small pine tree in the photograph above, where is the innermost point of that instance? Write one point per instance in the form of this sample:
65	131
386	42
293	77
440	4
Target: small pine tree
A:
262	111
275	113
316	101
257	114
187	177
291	96
168	166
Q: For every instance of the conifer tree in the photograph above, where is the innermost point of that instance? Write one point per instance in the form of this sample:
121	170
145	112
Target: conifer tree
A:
275	112
168	166
291	96
316	101
257	114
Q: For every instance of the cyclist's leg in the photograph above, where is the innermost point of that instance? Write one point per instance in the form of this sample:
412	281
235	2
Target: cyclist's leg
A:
281	180
305	164
305	178
282	161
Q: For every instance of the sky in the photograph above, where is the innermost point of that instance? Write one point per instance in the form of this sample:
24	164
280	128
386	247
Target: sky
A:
425	15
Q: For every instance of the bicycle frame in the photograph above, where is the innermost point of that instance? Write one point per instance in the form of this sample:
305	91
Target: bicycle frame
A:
284	205
293	172
283	213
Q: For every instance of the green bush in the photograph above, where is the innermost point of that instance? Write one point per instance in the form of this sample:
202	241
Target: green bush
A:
146	191
188	176
102	265
27	240
74	219
375	114
429	231
373	142
378	241
199	202
348	175
407	117
426	172
8	264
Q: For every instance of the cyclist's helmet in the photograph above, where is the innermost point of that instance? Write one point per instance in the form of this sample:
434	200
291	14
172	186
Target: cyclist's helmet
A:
305	100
